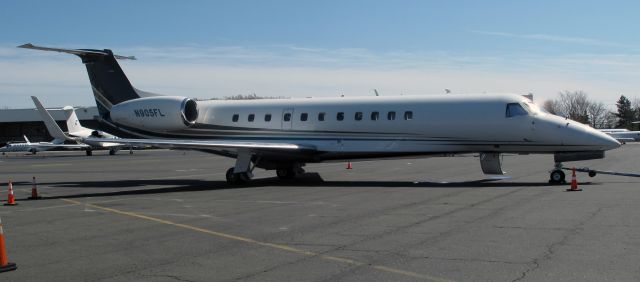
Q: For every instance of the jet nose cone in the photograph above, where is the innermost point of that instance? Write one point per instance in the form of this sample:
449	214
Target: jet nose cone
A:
607	141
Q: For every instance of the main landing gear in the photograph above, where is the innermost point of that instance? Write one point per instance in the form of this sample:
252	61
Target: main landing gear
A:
289	173
242	171
238	178
113	151
557	176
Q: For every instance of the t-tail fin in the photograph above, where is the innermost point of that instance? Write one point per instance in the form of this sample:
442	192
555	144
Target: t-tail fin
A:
73	123
53	128
109	83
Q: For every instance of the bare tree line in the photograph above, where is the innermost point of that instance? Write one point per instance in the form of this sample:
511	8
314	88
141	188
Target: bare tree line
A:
577	106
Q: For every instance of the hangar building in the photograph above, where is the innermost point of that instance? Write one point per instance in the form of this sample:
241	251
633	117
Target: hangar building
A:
17	122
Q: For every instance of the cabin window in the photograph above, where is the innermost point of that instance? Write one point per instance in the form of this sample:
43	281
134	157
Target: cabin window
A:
358	116
235	118
251	117
515	109
267	117
340	116
304	116
408	115
391	115
287	117
375	115
321	116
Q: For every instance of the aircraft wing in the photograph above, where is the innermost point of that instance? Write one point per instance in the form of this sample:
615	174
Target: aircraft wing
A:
51	145
205	144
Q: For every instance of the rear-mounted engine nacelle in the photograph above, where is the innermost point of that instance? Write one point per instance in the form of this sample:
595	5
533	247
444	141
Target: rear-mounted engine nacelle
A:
166	113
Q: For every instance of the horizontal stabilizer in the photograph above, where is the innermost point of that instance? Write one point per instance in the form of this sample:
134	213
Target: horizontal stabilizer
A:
79	52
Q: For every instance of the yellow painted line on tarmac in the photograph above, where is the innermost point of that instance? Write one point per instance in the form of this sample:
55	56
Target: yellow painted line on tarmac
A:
265	244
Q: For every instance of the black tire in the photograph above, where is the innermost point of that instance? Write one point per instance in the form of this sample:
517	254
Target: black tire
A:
231	177
89	152
592	173
286	173
112	152
557	176
243	177
236	178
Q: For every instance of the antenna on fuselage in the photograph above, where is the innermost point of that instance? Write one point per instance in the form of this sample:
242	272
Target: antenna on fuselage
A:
376	91
447	91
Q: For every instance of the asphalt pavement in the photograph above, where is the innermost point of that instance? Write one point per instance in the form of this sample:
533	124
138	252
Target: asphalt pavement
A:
162	215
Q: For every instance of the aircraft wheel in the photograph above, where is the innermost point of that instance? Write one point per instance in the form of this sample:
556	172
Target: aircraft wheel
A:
231	177
285	173
557	176
237	178
89	152
243	177
592	173
112	152
33	151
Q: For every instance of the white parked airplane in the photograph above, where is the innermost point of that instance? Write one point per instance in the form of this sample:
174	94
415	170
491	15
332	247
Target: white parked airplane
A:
76	132
623	135
285	134
27	146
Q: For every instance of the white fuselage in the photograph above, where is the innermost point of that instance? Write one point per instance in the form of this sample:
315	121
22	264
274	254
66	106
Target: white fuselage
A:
421	125
24	147
624	135
39	146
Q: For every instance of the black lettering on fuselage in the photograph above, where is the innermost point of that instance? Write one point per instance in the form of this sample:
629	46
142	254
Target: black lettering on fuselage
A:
148	113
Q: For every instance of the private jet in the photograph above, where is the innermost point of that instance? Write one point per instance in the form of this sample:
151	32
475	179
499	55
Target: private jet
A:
76	132
623	135
36	147
285	134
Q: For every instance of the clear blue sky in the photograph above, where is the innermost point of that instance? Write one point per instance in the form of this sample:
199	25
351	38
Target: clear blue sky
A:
593	39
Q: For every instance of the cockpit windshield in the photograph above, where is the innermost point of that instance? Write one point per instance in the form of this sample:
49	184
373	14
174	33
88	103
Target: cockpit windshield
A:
534	109
515	109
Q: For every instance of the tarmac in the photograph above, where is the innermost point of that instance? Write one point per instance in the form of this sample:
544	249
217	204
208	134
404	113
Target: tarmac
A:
162	215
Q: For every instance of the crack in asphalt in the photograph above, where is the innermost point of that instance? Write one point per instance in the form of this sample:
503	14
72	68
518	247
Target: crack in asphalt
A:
553	247
400	251
174	277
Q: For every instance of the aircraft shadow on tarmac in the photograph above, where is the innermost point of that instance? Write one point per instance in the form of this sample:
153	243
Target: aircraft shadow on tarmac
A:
307	180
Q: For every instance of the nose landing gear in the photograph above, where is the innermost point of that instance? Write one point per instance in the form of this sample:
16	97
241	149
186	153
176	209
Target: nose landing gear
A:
557	176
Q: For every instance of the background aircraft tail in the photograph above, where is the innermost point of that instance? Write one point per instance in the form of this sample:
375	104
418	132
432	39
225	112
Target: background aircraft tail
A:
73	123
109	83
53	128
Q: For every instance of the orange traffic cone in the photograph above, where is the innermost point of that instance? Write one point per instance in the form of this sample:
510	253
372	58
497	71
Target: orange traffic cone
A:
34	190
5	265
349	166
11	200
574	181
